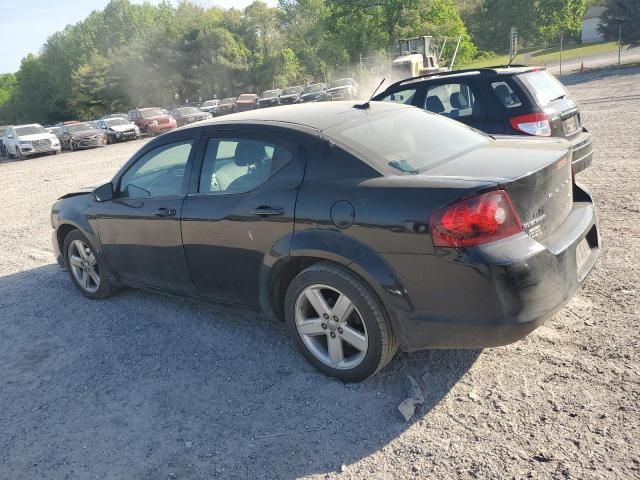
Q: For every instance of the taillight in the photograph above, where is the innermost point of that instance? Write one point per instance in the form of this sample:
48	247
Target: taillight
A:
474	221
532	124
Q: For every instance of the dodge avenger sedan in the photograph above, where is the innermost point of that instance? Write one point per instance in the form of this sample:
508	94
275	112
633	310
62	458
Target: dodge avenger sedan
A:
366	228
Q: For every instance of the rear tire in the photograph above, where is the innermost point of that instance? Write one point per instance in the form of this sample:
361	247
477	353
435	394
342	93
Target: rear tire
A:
338	324
86	269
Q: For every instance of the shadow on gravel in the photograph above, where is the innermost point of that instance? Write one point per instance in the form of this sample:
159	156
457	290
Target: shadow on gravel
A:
146	386
578	78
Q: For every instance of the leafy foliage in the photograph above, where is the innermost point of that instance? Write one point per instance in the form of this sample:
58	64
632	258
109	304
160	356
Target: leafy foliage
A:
131	54
623	13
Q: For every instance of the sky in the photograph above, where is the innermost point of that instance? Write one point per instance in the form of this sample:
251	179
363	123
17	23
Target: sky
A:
25	25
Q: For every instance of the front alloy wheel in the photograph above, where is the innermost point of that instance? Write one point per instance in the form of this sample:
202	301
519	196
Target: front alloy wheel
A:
338	323
85	267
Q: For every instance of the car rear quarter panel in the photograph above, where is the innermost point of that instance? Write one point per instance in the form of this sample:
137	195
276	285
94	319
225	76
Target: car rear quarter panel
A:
389	243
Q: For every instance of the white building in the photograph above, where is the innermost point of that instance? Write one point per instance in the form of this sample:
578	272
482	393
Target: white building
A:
590	23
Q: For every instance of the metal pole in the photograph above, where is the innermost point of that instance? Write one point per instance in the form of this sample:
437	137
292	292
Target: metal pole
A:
455	53
510	44
619	41
561	36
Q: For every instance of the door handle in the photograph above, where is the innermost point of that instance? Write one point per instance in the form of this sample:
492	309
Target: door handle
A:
267	211
165	212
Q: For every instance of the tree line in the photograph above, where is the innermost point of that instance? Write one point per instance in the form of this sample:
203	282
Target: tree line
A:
142	54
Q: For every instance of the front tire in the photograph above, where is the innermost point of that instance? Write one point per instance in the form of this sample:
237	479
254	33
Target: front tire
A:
85	268
337	323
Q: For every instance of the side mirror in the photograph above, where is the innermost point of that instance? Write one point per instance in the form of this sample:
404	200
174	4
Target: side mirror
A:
103	193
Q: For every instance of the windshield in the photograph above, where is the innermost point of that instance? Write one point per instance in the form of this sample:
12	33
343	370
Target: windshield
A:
269	94
226	101
210	103
344	82
29	130
79	127
54	130
313	88
247	96
291	90
116	121
151	112
408	140
544	86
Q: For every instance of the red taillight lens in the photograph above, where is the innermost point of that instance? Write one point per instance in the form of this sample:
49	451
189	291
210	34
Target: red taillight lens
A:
474	221
532	124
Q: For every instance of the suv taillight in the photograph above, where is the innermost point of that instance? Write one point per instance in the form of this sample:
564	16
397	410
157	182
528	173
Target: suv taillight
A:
474	221
532	124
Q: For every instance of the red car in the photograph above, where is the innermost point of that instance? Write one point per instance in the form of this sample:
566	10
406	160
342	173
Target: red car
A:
152	121
246	101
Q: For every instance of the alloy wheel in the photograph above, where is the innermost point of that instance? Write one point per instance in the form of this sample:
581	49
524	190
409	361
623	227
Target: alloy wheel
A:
84	266
331	327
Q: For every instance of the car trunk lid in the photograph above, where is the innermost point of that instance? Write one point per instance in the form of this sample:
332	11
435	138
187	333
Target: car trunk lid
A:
535	172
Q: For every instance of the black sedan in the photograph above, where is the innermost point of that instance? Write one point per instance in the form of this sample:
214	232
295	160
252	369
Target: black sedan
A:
366	228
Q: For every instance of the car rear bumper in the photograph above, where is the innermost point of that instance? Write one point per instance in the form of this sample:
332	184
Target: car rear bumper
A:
498	293
582	151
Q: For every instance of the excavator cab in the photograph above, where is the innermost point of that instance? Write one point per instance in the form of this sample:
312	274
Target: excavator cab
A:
417	57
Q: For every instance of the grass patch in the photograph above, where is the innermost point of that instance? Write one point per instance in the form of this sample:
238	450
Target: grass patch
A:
542	56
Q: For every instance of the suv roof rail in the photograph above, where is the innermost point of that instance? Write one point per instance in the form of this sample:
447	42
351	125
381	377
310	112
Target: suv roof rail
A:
491	69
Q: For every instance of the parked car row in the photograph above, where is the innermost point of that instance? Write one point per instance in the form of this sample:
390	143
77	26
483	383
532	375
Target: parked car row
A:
341	89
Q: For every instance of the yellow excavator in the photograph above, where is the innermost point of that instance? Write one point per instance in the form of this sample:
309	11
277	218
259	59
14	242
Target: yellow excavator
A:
418	56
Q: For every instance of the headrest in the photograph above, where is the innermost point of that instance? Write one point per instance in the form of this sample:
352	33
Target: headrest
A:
458	100
503	93
434	104
249	152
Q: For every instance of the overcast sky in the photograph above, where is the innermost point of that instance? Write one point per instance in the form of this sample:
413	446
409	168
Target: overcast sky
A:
26	24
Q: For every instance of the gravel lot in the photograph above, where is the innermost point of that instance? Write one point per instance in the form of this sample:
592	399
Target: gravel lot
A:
145	386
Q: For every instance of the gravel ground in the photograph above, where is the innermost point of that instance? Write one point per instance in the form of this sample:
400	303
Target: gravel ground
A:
145	386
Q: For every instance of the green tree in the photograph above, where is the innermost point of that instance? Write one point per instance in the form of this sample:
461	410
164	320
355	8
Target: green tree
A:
623	13
440	18
536	21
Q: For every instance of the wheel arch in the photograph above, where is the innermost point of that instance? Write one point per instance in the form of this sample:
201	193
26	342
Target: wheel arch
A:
309	247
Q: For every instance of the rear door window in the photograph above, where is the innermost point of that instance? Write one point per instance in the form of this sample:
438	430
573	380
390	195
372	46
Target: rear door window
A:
240	165
403	96
453	100
508	98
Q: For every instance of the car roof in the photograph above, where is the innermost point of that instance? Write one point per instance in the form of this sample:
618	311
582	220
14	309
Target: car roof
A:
28	125
492	71
317	116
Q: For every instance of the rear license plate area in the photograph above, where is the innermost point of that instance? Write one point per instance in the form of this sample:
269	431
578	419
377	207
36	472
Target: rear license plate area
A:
570	125
583	251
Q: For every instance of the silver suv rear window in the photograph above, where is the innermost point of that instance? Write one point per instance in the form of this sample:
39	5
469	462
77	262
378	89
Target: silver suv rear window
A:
544	86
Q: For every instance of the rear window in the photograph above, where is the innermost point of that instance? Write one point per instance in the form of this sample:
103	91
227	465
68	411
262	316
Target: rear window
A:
408	140
544	86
